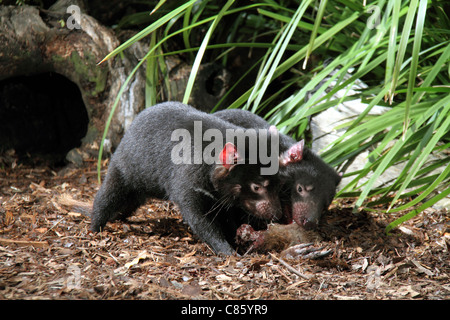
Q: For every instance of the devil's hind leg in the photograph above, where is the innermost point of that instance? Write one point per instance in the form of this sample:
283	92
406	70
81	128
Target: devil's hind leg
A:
113	200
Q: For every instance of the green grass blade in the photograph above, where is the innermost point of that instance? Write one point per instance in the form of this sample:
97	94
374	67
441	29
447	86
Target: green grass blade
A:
440	63
435	132
158	5
151	76
285	19
429	188
201	51
402	47
415	59
276	56
385	163
299	55
415	212
317	22
396	150
187	32
392	47
111	114
154	26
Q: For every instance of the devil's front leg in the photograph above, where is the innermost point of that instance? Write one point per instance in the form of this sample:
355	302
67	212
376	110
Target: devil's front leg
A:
198	213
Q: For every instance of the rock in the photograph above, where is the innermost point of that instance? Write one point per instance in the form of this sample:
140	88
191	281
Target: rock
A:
74	156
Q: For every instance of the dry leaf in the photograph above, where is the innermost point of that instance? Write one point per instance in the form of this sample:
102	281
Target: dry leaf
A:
141	256
192	290
223	277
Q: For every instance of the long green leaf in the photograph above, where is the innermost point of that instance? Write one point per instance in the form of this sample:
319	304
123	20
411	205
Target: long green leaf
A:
111	114
415	212
428	188
392	47
151	76
201	51
301	25
276	56
440	63
415	59
154	26
299	55
402	47
424	148
320	12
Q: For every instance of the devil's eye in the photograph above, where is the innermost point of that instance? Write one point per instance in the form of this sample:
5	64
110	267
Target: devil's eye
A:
299	188
255	187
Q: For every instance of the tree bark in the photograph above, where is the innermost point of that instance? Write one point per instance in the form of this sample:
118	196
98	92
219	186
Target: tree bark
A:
33	42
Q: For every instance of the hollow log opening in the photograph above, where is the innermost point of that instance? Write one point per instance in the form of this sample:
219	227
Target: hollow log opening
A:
42	117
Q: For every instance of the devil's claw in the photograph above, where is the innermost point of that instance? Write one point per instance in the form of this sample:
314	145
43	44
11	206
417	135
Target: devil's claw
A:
306	251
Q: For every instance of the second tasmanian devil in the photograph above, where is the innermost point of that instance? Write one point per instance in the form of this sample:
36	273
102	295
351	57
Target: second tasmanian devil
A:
212	197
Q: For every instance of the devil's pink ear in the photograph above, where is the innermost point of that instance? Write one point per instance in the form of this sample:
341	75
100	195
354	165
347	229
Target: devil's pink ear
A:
273	129
229	155
294	154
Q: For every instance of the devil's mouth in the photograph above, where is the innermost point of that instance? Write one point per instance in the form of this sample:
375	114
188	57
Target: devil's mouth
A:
287	213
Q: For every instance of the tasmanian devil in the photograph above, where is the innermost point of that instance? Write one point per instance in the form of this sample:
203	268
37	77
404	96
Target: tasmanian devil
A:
309	183
167	153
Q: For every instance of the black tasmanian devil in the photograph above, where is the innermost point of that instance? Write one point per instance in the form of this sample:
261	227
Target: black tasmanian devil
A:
167	153
309	183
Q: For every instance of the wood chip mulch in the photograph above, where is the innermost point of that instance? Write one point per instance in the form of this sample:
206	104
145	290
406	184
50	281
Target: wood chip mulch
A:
48	252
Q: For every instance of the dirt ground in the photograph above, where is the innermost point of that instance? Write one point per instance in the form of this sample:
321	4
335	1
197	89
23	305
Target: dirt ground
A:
48	252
